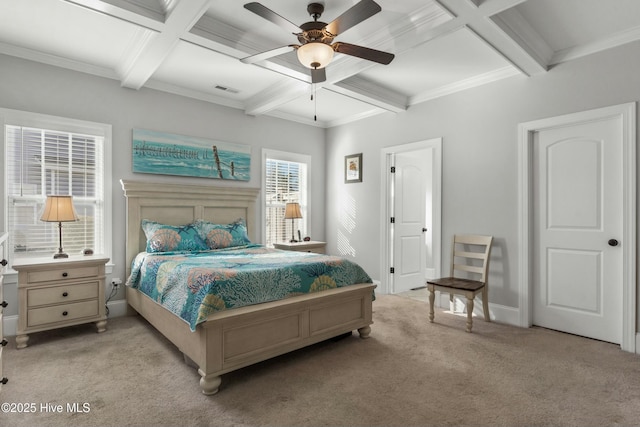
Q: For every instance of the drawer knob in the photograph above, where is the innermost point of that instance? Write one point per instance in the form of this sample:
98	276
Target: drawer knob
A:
65	294
4	380
4	304
64	313
4	342
65	274
3	262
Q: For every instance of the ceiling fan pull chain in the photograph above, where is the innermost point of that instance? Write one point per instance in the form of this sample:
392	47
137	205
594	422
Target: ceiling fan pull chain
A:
315	103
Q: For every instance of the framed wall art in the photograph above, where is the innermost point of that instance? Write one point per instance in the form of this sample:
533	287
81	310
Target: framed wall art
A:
353	168
169	154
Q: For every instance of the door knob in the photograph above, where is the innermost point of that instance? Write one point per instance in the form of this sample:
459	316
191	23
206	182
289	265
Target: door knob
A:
424	230
613	242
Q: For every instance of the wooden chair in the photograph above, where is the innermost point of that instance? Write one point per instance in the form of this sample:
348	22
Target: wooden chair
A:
469	273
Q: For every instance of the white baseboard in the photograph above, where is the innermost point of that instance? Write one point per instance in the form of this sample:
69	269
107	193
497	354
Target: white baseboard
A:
499	313
116	309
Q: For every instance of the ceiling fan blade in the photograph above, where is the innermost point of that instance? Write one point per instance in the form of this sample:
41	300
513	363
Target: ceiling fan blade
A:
270	15
358	13
364	52
268	54
318	75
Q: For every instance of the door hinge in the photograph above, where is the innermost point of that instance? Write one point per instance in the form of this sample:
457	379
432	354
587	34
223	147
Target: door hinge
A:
393	220
393	169
392	270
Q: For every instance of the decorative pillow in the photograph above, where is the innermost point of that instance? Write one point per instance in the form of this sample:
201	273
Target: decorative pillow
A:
165	238
220	236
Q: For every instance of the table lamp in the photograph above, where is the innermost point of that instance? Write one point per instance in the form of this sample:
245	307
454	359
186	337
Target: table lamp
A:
292	211
59	209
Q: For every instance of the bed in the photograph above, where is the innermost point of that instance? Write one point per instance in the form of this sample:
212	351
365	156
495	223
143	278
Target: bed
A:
230	339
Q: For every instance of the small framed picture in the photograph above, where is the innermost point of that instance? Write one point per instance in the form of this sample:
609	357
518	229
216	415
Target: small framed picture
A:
353	168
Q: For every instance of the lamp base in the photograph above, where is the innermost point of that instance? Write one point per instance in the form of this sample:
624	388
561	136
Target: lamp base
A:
60	254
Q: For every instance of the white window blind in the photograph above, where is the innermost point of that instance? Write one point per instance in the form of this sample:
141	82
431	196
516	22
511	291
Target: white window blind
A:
286	181
42	162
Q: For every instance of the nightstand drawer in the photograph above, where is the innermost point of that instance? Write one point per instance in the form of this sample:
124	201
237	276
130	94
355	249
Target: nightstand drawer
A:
318	250
62	294
62	274
61	313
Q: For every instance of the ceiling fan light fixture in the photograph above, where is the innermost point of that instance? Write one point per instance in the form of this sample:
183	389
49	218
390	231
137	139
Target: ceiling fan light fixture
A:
315	55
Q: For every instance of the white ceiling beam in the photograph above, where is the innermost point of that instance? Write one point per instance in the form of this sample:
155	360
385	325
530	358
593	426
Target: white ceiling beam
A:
225	39
519	29
480	19
123	10
275	96
345	84
220	37
153	51
364	90
492	7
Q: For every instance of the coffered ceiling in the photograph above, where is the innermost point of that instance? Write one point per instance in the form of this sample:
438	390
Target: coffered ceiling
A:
193	48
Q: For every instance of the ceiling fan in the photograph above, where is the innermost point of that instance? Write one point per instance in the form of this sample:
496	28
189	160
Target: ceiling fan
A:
316	47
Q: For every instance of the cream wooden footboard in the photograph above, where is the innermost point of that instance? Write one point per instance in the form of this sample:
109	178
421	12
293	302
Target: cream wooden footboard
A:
232	339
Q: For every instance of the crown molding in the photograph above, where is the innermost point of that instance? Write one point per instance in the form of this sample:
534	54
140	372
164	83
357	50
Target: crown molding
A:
57	61
618	39
476	81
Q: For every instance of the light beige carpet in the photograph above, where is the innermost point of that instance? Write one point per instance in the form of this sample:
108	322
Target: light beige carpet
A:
409	373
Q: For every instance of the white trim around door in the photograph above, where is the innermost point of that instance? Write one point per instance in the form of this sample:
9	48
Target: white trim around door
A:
627	112
386	240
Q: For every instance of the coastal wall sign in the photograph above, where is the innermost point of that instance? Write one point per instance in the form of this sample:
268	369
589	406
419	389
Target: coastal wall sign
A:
169	154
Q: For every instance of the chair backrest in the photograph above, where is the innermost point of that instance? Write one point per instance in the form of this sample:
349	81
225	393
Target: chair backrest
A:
470	256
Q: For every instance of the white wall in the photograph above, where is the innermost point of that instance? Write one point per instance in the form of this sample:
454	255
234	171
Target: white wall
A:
478	127
34	87
480	147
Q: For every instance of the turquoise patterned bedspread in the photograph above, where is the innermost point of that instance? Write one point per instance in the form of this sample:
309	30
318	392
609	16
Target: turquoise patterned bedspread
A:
193	285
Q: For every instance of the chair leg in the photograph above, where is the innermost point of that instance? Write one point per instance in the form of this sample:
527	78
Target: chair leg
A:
485	304
469	313
432	297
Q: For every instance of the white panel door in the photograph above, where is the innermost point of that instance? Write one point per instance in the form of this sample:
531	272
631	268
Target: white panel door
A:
577	204
410	201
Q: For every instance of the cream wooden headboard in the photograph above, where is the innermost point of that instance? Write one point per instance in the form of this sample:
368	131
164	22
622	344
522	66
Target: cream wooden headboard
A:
179	204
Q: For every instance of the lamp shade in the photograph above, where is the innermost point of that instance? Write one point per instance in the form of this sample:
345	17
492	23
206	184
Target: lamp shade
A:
59	209
315	54
292	211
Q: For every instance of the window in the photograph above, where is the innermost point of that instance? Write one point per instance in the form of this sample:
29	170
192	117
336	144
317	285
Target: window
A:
285	181
47	155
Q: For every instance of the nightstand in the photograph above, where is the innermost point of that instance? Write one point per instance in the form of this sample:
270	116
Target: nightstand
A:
54	293
310	246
